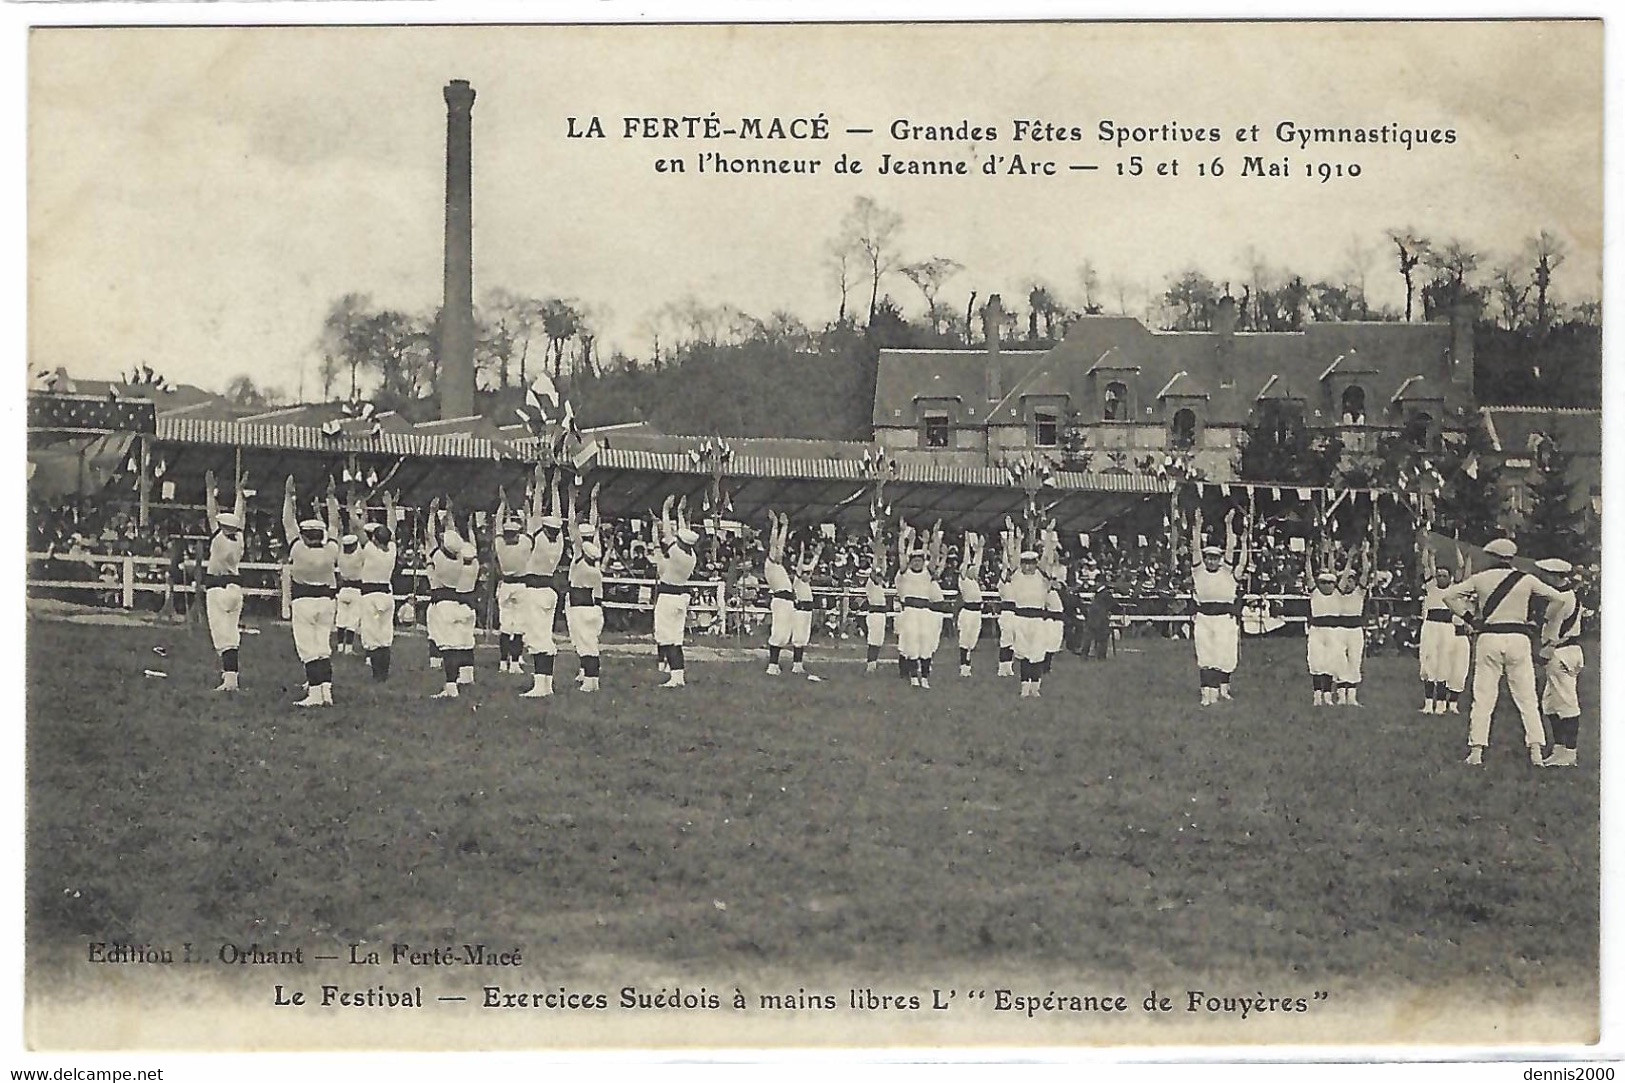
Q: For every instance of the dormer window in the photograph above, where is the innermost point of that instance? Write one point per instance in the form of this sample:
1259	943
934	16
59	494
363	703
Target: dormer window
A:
1182	430
1046	428
1353	412
934	428
1116	406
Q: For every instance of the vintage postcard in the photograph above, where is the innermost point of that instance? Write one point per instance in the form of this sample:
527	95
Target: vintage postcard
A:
935	536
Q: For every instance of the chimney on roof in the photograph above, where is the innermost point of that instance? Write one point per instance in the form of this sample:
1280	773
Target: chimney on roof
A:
457	316
1458	361
992	322
1224	321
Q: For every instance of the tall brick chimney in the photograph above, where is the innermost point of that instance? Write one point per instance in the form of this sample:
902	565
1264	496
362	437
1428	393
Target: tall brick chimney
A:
457	318
992	324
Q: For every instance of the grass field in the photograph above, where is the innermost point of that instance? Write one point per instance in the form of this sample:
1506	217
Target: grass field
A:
752	824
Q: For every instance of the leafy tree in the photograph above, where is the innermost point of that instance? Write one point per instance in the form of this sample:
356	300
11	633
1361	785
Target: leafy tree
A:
1276	446
1192	297
1547	252
1553	526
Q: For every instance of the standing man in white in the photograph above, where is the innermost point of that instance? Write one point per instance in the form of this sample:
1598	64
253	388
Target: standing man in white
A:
313	561
541	596
378	589
223	591
781	605
1502	595
673	566
513	549
1216	581
969	618
1562	660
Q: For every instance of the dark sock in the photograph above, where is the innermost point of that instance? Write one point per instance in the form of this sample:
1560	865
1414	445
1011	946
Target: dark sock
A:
543	664
795	654
1007	654
873	654
925	667
589	665
676	658
228	660
383	663
772	655
313	674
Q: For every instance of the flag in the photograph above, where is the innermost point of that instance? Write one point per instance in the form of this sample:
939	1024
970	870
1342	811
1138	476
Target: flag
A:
542	390
1305	494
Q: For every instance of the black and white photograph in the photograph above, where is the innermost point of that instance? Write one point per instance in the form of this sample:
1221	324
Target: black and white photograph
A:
914	536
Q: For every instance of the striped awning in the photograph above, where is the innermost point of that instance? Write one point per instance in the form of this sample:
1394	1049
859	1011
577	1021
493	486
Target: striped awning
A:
354	438
634	482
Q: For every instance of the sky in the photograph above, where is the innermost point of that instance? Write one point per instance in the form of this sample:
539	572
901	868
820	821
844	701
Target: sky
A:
199	196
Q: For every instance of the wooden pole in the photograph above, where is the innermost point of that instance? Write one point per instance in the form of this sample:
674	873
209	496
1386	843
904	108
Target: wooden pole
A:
144	513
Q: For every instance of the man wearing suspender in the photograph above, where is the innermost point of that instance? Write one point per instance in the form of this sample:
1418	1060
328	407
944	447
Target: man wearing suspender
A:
1503	593
378	590
1563	659
781	605
223	597
313	560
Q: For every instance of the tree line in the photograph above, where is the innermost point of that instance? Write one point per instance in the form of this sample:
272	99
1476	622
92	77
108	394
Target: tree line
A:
1533	348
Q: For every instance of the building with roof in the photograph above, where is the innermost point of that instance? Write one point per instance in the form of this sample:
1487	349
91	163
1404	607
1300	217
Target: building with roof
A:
1129	391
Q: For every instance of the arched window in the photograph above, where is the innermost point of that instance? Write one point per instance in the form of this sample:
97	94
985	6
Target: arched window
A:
1419	430
1353	405
1184	428
1117	405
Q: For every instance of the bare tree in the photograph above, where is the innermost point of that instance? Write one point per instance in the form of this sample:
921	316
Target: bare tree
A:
839	262
872	230
1548	252
1358	259
928	276
1089	278
346	336
328	372
1512	293
1412	251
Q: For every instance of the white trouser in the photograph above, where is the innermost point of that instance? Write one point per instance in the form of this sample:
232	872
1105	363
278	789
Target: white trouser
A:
377	619
1504	654
1217	645
1031	636
1007	629
874	623
801	628
1350	654
671	618
347	609
312	628
224	606
1322	657
970	628
912	629
1434	650
455	623
930	632
586	624
1562	694
541	606
781	622
511	598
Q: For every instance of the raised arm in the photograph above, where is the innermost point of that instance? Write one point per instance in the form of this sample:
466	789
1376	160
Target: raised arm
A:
209	508
290	511
389	514
1196	536
334	526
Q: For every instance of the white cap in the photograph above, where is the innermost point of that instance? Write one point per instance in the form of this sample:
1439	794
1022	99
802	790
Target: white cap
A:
552	522
1326	577
1555	565
512	525
451	543
1029	554
687	536
229	520
1212	550
313	526
1502	547
590	550
349	539
372	528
